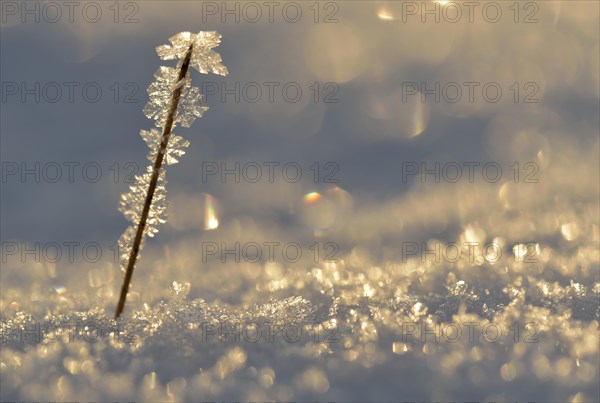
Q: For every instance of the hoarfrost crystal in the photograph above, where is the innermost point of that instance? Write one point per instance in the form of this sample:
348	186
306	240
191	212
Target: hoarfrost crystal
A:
175	148
132	203
203	59
161	91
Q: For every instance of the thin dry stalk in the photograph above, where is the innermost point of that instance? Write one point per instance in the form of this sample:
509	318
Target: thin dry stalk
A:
153	181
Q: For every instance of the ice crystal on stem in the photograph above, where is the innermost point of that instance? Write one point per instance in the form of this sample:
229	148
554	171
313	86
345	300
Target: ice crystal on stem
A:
175	148
204	59
132	202
172	100
160	92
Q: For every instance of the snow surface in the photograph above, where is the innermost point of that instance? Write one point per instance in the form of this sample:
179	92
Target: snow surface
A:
354	315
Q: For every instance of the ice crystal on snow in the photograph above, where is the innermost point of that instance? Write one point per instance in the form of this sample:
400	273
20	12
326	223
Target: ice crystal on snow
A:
179	291
478	329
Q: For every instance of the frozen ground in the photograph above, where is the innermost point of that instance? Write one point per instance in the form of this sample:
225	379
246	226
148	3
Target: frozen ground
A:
353	330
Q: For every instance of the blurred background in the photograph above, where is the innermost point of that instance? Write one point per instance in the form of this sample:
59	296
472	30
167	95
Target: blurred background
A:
360	125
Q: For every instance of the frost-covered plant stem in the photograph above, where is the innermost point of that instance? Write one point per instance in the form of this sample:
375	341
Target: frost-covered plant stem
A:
135	249
172	101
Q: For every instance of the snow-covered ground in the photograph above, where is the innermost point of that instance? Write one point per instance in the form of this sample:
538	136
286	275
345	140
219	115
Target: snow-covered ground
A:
507	325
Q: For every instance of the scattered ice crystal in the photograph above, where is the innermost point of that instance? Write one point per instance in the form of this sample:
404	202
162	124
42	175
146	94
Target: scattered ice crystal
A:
179	290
